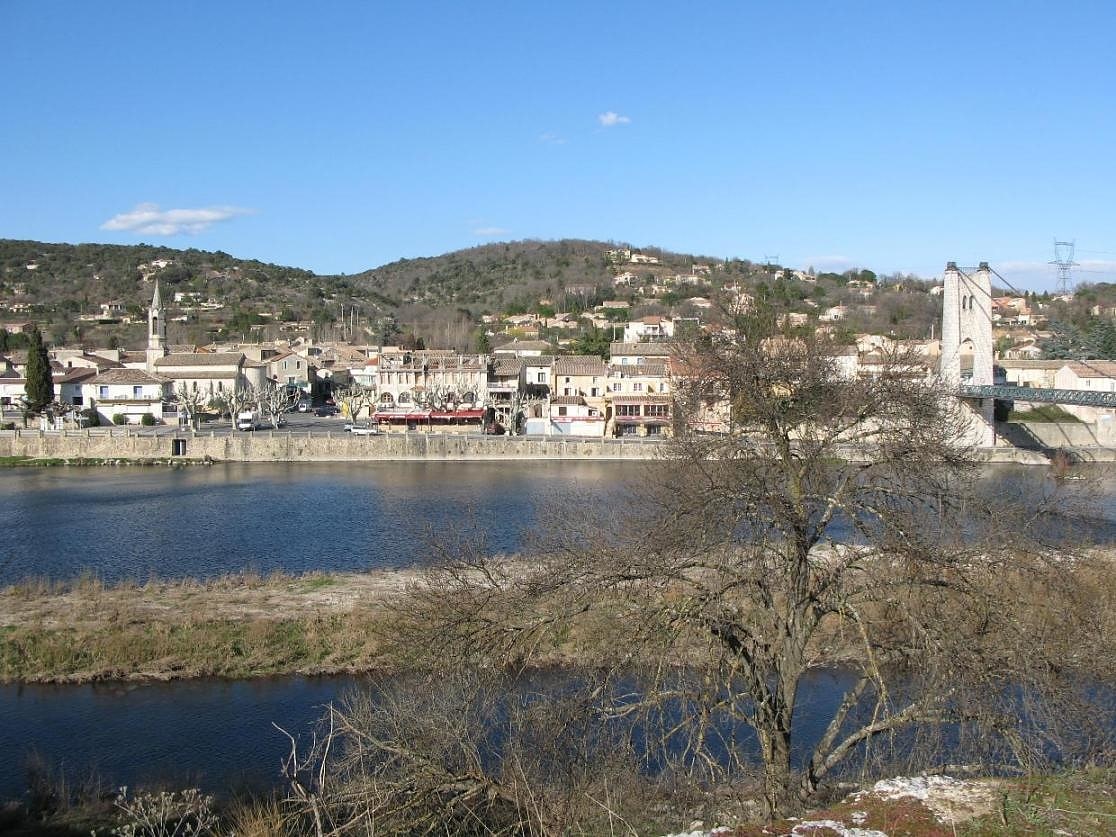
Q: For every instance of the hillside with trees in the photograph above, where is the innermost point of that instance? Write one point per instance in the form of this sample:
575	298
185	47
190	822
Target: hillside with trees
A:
440	299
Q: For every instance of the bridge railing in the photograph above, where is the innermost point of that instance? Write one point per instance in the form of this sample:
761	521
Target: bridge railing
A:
1080	397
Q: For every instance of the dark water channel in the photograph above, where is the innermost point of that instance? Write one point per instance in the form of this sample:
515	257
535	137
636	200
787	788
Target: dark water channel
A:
138	523
213	734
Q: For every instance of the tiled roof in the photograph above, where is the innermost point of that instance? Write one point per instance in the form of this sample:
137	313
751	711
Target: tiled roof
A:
1016	363
508	366
646	349
102	362
525	346
1092	368
579	365
127	376
568	400
201	375
200	359
72	376
654	369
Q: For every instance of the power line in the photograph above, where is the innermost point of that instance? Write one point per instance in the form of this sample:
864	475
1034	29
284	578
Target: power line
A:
1063	258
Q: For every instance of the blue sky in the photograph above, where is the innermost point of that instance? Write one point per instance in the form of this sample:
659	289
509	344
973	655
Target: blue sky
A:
338	136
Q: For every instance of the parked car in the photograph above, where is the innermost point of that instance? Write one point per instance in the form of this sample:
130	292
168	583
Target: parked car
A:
365	430
303	406
326	410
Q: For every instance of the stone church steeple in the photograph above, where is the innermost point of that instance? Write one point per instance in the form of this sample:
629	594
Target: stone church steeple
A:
156	330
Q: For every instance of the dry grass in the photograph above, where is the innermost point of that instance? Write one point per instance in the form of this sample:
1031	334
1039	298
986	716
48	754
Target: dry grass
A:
233	626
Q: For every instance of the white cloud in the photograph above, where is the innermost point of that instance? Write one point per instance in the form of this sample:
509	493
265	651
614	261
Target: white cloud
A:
148	219
550	138
610	119
490	232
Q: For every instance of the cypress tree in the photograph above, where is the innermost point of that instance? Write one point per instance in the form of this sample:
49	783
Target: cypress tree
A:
40	386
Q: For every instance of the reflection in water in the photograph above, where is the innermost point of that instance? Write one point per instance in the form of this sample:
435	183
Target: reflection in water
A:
215	734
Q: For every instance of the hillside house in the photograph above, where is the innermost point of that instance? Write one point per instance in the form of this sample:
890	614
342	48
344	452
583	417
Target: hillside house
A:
649	329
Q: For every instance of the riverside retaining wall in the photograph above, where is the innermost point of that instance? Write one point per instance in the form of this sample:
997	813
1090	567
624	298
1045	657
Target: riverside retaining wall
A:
282	446
1030	444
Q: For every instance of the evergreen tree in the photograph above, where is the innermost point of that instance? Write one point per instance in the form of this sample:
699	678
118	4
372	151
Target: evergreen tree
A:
40	386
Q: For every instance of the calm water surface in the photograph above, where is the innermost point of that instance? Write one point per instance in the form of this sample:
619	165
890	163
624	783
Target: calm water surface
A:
212	734
203	521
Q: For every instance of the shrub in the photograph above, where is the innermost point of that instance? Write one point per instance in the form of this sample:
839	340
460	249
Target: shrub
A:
148	420
118	418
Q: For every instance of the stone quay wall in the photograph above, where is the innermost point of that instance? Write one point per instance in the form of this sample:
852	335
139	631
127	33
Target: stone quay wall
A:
283	446
1023	444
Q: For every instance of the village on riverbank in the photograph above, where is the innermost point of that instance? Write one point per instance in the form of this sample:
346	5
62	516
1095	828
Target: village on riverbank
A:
534	388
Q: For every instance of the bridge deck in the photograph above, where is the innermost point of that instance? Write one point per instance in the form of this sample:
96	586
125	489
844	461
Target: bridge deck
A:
1080	397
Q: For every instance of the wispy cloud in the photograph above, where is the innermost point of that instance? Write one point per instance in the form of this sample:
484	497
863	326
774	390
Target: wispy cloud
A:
149	219
550	138
610	119
490	232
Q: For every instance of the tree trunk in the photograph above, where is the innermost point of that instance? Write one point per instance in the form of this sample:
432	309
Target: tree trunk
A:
778	796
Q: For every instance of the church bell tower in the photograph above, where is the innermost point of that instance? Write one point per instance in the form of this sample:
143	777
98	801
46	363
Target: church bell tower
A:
156	330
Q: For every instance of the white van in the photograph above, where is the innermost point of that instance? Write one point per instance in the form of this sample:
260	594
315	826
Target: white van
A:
248	420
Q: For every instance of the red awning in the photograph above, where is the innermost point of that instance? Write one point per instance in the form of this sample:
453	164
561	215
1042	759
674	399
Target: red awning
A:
418	416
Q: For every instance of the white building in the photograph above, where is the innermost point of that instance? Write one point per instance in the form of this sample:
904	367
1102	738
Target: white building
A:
131	393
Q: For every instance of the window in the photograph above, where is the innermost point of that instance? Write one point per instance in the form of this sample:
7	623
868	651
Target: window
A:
627	409
77	401
594	392
561	411
637	387
661	410
542	378
137	391
102	392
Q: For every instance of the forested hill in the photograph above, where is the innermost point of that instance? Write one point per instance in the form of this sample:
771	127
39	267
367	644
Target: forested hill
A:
57	280
497	276
214	296
88	274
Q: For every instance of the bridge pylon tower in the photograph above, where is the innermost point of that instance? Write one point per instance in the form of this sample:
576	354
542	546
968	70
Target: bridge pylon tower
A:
967	329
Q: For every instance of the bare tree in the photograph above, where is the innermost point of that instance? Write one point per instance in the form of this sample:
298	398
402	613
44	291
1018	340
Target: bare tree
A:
275	400
841	519
235	399
192	400
354	398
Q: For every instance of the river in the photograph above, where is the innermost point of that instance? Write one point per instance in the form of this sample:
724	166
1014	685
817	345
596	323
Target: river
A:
138	523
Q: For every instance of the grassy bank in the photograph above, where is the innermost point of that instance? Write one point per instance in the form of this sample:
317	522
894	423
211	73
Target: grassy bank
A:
235	626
